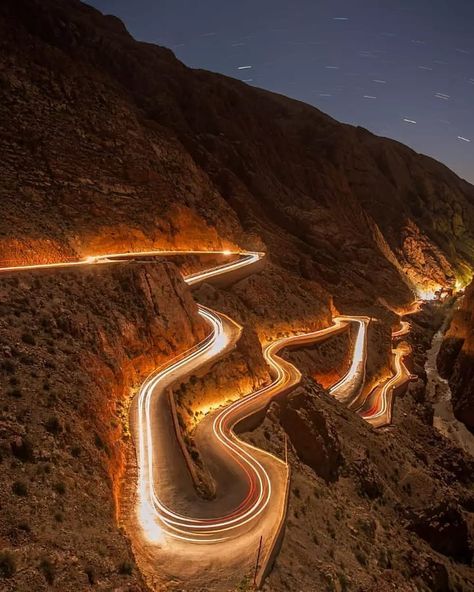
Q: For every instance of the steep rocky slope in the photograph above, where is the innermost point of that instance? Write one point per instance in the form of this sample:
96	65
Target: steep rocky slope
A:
73	346
456	358
370	510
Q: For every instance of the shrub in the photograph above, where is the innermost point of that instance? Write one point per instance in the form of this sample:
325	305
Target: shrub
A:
53	425
9	366
342	581
23	450
15	393
7	564
126	568
60	488
20	488
48	570
99	442
28	338
91	575
360	556
27	360
59	517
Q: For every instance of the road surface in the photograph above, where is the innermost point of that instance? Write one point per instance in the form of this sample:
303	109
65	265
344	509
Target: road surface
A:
350	385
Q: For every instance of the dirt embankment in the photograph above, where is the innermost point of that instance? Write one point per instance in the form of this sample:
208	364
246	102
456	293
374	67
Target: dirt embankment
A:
74	345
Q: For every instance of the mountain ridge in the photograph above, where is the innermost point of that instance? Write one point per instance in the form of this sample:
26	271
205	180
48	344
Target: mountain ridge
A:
243	163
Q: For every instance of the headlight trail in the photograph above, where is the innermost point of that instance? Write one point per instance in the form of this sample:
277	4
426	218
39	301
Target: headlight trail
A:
259	486
350	385
377	408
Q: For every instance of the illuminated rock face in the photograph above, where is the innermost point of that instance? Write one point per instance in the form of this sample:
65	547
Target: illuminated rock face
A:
456	359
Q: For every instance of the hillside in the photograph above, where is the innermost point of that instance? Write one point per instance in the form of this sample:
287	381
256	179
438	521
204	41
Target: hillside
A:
109	142
110	145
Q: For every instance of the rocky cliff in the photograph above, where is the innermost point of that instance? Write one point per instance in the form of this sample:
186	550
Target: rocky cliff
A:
369	510
456	358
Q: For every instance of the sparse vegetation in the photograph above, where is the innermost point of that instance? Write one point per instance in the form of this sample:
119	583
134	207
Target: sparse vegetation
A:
20	488
53	425
7	564
125	568
48	569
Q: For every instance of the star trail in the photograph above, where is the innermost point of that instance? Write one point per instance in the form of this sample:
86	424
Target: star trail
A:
403	69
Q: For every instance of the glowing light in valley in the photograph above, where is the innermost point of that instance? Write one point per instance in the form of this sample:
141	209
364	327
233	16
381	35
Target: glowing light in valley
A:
406	120
463	139
425	294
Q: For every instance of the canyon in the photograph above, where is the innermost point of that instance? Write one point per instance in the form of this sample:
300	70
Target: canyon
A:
110	145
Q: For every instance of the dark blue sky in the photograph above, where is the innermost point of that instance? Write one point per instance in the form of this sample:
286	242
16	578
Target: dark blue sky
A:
401	68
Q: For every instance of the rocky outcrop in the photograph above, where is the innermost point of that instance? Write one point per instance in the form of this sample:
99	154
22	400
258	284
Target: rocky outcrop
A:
310	432
357	531
456	359
327	361
445	529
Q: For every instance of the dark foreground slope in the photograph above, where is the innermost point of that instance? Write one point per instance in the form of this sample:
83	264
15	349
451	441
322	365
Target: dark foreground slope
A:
73	346
108	142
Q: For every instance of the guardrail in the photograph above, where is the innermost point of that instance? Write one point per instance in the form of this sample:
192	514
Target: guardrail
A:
275	546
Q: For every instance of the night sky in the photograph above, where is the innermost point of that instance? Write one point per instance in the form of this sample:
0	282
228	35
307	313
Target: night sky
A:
401	68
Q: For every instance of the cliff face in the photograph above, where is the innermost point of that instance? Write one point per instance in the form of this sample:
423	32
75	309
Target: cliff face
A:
110	143
73	346
456	358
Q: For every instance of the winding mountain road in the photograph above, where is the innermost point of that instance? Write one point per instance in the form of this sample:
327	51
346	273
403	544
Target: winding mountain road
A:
251	485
